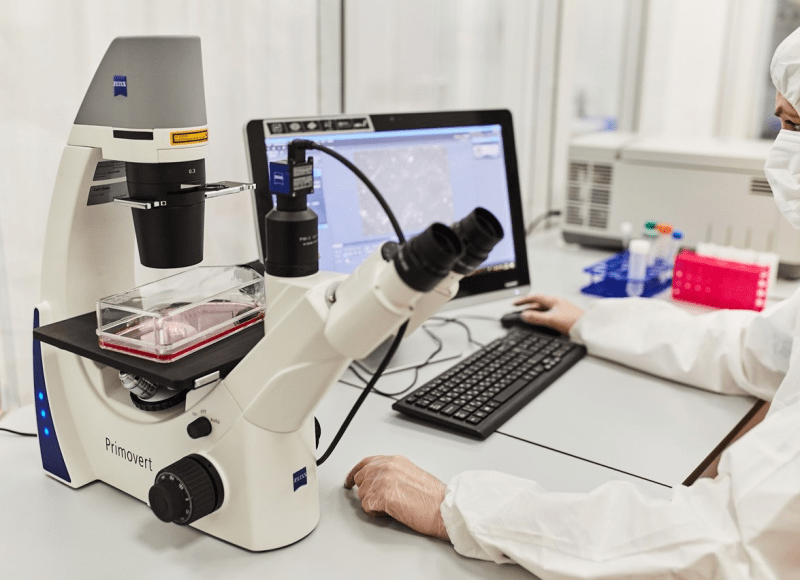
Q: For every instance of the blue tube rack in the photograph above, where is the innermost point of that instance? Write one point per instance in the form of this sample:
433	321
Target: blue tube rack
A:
610	277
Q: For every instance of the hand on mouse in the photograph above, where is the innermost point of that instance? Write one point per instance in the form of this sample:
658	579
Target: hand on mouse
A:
549	311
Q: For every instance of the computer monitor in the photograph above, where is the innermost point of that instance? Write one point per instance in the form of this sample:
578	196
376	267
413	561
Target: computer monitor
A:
429	167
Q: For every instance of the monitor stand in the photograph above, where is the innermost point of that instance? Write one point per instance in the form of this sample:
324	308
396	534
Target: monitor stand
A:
414	350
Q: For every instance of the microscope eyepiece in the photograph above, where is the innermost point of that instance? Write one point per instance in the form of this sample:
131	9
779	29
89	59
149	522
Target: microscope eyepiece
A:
427	258
479	232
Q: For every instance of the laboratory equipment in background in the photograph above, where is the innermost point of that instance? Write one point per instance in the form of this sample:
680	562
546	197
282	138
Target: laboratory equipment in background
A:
628	273
720	283
714	190
768	259
229	447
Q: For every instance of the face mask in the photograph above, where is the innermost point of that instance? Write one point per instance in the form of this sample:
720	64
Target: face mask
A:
783	173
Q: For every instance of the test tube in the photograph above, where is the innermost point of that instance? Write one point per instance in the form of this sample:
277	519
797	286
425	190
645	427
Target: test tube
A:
663	244
677	239
651	235
638	251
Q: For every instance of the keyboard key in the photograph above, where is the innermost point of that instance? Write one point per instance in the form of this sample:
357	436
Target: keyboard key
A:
510	391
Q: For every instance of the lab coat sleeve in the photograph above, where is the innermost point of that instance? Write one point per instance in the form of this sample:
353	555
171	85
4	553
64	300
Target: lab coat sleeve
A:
744	524
727	351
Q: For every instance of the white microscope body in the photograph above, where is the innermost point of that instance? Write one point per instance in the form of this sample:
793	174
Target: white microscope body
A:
256	483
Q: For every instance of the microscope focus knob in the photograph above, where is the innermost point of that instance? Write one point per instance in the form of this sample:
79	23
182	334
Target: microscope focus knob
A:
186	491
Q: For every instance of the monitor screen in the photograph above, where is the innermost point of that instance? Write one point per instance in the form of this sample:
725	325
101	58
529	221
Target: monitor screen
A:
429	167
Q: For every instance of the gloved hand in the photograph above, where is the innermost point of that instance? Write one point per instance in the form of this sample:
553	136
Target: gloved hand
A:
396	487
550	311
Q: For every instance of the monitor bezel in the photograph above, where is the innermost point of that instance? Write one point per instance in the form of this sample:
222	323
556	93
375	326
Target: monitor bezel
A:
471	286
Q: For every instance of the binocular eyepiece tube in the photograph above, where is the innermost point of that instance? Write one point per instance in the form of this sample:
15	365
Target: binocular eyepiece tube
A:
480	231
429	257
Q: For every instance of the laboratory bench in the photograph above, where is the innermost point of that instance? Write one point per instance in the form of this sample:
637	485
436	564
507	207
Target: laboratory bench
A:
599	422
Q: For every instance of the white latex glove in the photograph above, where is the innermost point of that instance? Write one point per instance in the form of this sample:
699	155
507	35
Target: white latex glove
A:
550	311
392	485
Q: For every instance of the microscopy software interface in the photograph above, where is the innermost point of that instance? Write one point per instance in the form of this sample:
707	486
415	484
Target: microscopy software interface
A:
425	175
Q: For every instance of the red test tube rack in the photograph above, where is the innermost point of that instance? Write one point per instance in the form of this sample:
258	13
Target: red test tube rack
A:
719	283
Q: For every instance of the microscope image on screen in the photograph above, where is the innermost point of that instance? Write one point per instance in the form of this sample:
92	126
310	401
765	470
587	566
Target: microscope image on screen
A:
393	169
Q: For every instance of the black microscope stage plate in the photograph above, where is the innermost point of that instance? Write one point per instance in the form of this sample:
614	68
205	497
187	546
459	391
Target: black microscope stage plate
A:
77	335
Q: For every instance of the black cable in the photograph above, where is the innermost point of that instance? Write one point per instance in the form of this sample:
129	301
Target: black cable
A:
539	219
480	317
305	144
358	375
440	345
365	392
360	174
437	350
464	326
20	433
349	384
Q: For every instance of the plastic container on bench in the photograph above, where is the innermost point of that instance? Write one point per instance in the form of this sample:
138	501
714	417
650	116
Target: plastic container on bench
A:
179	315
720	283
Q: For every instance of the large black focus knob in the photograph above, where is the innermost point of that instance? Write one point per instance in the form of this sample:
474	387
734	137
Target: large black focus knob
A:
186	491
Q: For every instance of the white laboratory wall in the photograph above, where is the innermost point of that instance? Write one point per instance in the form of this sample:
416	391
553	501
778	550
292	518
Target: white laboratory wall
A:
684	50
704	67
49	50
425	55
600	35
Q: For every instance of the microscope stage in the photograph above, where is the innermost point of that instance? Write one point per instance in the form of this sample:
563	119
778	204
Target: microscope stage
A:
78	335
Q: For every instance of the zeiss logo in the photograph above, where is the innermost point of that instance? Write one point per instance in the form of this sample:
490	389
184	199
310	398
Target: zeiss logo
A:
300	479
120	85
277	178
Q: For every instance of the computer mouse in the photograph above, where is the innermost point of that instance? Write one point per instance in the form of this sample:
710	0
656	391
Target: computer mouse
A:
515	319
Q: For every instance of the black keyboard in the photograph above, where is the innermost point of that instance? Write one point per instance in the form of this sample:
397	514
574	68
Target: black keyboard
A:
487	388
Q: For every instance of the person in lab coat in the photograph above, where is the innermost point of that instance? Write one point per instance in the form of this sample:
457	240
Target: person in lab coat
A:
745	523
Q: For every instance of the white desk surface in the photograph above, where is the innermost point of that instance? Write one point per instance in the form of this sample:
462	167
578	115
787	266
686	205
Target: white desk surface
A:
593	410
49	530
599	422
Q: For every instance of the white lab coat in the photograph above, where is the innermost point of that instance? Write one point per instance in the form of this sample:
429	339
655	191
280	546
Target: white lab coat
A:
745	523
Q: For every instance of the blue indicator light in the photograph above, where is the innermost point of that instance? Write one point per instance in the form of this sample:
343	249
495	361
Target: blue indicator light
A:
47	431
42	413
41	396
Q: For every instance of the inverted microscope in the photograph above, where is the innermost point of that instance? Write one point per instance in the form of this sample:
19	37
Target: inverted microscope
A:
219	434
